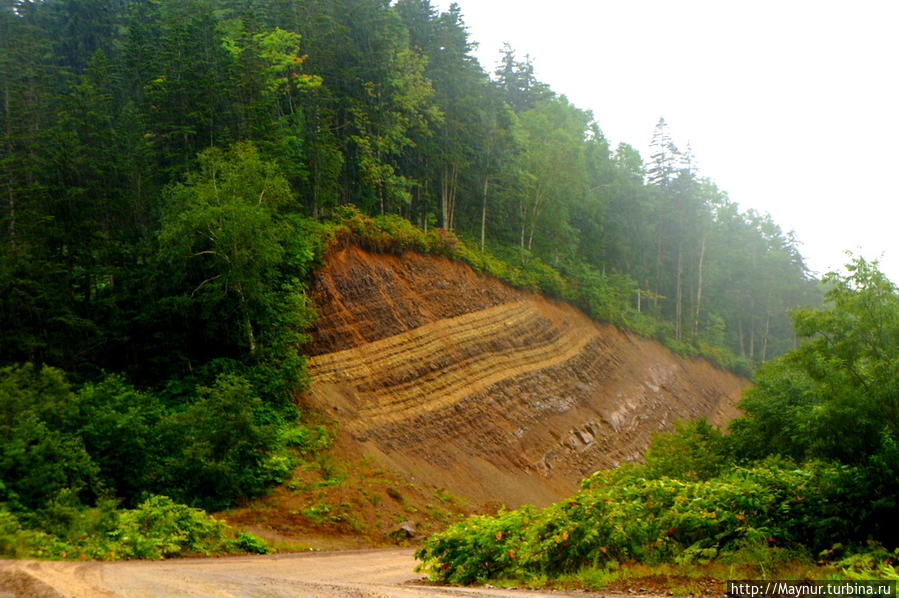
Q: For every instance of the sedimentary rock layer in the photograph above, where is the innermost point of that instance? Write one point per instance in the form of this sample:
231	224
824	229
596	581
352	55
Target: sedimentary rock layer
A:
497	394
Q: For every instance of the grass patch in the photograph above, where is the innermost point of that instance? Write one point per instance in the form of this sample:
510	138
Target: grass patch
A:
671	578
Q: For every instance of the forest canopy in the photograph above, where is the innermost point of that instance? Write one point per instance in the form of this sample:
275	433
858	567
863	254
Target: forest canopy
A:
109	106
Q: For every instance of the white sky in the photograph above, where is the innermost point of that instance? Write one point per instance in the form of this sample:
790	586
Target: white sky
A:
790	105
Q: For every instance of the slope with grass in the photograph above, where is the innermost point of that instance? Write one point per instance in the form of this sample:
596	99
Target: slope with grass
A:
460	381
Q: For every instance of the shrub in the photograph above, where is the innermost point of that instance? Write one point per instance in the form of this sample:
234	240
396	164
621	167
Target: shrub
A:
220	445
307	439
18	542
41	454
693	451
478	549
623	515
246	542
158	528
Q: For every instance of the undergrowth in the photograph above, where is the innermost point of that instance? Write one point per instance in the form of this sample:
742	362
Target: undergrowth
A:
158	528
691	509
761	521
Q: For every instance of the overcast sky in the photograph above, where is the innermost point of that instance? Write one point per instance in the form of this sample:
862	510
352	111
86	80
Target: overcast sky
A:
790	105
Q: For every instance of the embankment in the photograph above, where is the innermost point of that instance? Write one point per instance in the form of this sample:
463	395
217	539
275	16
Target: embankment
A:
460	381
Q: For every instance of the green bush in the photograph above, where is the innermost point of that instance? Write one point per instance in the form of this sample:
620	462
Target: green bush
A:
20	543
158	528
219	446
693	451
307	439
214	444
41	452
478	549
246	542
873	563
120	427
623	515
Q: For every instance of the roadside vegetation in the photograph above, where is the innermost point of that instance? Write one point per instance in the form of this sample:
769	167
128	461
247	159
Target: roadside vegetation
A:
810	474
157	528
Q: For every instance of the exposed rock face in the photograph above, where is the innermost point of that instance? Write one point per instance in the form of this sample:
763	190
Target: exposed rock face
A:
496	394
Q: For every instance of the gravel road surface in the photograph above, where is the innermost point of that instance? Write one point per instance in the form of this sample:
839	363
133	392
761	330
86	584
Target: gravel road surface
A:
348	574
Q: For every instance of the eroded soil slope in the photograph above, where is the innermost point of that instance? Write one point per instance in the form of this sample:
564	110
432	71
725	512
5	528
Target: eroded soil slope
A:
461	381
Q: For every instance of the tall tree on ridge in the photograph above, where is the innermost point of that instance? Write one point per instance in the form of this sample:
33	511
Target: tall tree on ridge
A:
520	87
460	90
664	157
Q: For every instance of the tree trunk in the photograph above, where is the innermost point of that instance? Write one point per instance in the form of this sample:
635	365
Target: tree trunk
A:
12	220
11	197
484	214
247	324
534	213
448	185
698	309
523	213
679	296
425	213
454	190
752	343
658	281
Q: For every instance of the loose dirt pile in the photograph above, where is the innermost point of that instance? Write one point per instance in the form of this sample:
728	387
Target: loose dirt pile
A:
459	381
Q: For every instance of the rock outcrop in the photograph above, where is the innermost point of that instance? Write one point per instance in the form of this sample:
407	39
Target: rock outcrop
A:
463	382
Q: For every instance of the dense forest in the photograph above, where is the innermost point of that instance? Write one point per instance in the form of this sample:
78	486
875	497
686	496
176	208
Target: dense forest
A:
108	105
167	170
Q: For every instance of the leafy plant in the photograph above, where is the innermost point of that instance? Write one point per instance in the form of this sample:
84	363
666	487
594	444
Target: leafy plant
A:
158	528
624	516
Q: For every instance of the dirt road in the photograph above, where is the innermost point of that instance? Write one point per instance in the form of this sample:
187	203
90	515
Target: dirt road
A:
349	574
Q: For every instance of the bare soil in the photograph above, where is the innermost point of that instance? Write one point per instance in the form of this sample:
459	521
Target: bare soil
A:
455	379
454	393
344	501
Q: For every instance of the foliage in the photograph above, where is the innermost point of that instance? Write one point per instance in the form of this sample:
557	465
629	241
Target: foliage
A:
694	451
157	528
19	542
307	439
41	454
625	516
874	563
834	397
247	542
221	234
836	394
231	444
110	438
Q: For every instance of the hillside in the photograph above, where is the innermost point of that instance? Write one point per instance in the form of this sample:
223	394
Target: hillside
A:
460	381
